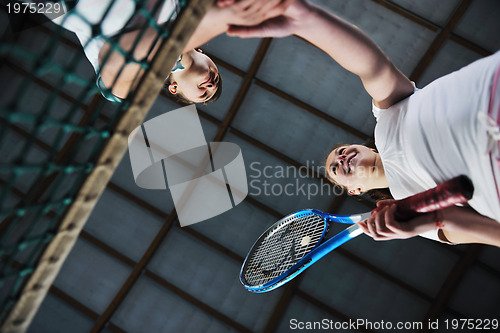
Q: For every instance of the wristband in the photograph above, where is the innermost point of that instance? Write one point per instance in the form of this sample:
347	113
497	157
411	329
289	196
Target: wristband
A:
438	219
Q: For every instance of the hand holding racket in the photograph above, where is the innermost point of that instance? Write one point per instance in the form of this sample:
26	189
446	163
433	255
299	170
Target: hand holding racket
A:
298	240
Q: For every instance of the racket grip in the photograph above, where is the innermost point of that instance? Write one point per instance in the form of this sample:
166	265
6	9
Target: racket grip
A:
454	191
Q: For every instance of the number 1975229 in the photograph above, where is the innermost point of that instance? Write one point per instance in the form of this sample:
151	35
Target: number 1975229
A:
31	7
472	324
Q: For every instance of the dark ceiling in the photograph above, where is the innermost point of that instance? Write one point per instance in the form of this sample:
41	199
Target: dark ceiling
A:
285	104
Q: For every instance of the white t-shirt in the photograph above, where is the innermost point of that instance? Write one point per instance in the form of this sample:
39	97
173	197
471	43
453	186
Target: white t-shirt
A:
88	12
437	133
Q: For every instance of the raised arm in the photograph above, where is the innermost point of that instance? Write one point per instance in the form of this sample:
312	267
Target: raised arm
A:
234	12
344	42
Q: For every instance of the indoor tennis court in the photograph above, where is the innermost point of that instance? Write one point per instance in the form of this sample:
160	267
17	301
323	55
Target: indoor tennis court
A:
285	103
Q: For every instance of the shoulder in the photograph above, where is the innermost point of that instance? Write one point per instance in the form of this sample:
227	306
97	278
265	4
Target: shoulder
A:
379	111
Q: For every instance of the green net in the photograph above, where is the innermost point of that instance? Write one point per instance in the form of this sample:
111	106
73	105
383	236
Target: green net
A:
54	122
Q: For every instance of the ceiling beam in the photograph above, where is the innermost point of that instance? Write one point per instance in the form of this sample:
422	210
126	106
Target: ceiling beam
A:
401	11
129	196
136	273
80	307
245	86
451	283
440	39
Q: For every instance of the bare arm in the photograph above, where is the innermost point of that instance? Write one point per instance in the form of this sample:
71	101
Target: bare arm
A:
458	225
113	63
345	43
463	225
234	12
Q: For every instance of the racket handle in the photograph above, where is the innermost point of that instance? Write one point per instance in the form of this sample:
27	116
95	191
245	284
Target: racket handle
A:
454	191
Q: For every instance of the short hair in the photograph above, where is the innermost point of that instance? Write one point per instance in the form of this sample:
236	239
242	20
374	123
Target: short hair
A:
180	98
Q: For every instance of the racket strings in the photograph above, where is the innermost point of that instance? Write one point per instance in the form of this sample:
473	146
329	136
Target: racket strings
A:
282	247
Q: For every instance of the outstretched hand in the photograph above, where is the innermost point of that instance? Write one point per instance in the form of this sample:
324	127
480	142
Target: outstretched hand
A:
276	27
251	12
383	226
229	13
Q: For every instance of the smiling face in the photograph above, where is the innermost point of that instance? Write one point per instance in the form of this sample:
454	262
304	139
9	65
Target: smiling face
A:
356	167
198	82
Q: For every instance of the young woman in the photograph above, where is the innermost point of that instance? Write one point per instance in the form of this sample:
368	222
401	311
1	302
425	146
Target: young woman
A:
99	24
423	137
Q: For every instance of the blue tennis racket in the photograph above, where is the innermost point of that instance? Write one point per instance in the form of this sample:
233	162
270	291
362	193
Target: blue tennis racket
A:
298	240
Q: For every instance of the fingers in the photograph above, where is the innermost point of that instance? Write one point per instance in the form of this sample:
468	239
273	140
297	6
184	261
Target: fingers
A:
393	225
251	12
377	226
245	32
369	229
381	220
364	227
381	204
280	8
372	228
276	8
225	3
384	203
252	6
275	27
383	226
